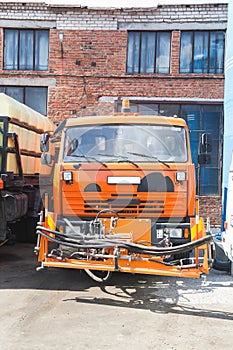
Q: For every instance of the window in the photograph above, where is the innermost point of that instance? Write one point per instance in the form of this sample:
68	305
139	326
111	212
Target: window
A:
126	142
148	52
26	49
200	119
202	52
34	97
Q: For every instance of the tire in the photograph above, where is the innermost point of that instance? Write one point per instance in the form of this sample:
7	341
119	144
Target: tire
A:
25	230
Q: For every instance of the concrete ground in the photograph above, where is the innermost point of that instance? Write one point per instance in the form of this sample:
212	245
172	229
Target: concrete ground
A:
64	309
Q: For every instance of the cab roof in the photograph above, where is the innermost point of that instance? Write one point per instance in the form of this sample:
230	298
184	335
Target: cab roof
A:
125	119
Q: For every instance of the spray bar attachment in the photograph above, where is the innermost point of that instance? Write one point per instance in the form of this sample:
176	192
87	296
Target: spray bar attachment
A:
92	243
100	245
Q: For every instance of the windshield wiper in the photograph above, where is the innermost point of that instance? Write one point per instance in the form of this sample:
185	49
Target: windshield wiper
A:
148	156
88	158
124	159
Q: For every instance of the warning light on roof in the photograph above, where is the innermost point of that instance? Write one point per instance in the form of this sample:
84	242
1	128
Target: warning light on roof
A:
125	106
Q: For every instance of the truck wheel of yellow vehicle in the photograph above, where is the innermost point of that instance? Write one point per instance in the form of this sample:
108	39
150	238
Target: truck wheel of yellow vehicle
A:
25	230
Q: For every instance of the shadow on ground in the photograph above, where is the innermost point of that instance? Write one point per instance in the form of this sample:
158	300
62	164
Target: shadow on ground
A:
156	294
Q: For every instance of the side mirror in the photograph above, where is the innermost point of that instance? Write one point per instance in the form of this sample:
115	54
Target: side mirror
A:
44	142
204	158
206	143
205	148
46	159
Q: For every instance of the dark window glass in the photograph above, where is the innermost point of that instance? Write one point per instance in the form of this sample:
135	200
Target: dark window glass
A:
191	113
211	116
169	110
142	108
148	52
202	52
148	109
26	49
16	92
34	97
205	119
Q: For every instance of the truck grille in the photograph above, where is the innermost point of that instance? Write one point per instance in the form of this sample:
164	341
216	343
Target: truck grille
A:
125	206
147	205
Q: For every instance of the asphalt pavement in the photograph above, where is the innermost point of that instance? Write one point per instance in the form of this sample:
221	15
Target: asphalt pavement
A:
65	309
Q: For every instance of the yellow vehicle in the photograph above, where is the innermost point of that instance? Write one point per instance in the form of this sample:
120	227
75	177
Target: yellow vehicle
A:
20	130
122	198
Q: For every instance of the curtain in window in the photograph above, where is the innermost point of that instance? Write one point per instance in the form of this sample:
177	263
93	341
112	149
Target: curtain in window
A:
163	52
26	50
202	52
186	47
133	52
41	49
216	52
11	49
200	56
147	52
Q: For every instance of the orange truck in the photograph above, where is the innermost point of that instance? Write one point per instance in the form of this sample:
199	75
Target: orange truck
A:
121	197
20	130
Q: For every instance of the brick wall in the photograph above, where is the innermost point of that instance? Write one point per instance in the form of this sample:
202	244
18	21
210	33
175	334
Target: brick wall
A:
93	65
210	207
109	19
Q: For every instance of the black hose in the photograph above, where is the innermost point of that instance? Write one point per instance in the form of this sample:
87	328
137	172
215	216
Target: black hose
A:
75	245
169	250
131	247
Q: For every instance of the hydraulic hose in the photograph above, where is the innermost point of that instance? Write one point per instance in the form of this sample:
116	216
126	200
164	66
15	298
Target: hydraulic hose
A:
131	247
96	278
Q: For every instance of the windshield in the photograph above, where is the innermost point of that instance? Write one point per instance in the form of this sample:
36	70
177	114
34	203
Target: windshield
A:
125	142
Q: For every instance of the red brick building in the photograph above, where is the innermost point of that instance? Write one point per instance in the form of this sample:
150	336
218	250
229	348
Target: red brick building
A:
71	60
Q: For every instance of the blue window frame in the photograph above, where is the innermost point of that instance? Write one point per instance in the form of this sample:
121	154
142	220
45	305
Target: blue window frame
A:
32	96
202	52
26	49
148	52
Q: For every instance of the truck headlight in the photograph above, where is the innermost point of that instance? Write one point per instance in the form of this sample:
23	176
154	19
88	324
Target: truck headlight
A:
175	232
180	176
67	175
